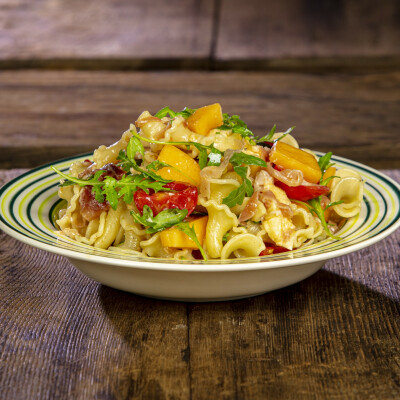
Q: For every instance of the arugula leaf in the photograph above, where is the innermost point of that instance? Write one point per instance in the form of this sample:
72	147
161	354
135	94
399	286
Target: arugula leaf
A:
134	146
242	172
246	188
128	162
316	208
243	158
163	220
185	113
235	197
270	135
124	162
236	125
203	156
112	189
156	165
324	162
164	112
189	230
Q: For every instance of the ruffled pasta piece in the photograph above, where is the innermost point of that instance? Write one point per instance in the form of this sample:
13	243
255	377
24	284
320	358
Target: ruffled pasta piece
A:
111	228
71	194
220	218
184	254
344	173
243	245
133	232
105	155
349	190
307	227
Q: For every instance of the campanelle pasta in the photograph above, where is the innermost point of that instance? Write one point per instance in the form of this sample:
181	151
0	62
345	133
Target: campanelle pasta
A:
198	184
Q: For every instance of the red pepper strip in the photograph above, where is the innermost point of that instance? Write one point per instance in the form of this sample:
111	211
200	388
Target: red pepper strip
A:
273	249
183	197
302	192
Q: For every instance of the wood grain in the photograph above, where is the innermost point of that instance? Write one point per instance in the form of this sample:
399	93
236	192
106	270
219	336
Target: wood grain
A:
332	336
49	115
257	29
45	29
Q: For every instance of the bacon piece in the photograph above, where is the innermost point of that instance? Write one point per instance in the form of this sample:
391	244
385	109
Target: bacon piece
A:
90	207
290	177
250	208
268	198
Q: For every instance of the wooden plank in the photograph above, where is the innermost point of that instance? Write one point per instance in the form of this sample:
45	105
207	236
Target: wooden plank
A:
285	29
48	115
334	335
65	336
44	29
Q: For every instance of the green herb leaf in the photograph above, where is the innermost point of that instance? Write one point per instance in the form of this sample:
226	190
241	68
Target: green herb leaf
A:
203	158
324	162
236	125
242	172
185	113
164	112
134	146
268	137
235	197
189	230
113	189
334	203
247	159
316	208
156	165
203	149
163	220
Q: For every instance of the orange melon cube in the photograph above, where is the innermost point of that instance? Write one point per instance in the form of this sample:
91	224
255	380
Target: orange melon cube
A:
289	157
186	169
173	237
205	118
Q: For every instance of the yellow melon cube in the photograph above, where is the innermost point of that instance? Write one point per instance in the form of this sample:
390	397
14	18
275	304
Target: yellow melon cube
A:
205	118
287	156
173	237
186	169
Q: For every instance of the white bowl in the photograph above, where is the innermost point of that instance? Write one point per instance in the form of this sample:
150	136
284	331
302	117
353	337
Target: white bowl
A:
28	202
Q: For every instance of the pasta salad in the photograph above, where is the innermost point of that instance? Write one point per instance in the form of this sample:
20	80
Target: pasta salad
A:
198	184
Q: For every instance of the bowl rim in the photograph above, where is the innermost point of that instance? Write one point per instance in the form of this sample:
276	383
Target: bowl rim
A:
256	263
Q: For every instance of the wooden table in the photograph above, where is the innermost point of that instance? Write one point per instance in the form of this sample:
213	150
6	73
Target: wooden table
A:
334	335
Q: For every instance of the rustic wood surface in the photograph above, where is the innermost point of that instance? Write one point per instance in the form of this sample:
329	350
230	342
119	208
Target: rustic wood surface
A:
49	115
258	29
122	34
46	29
335	335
